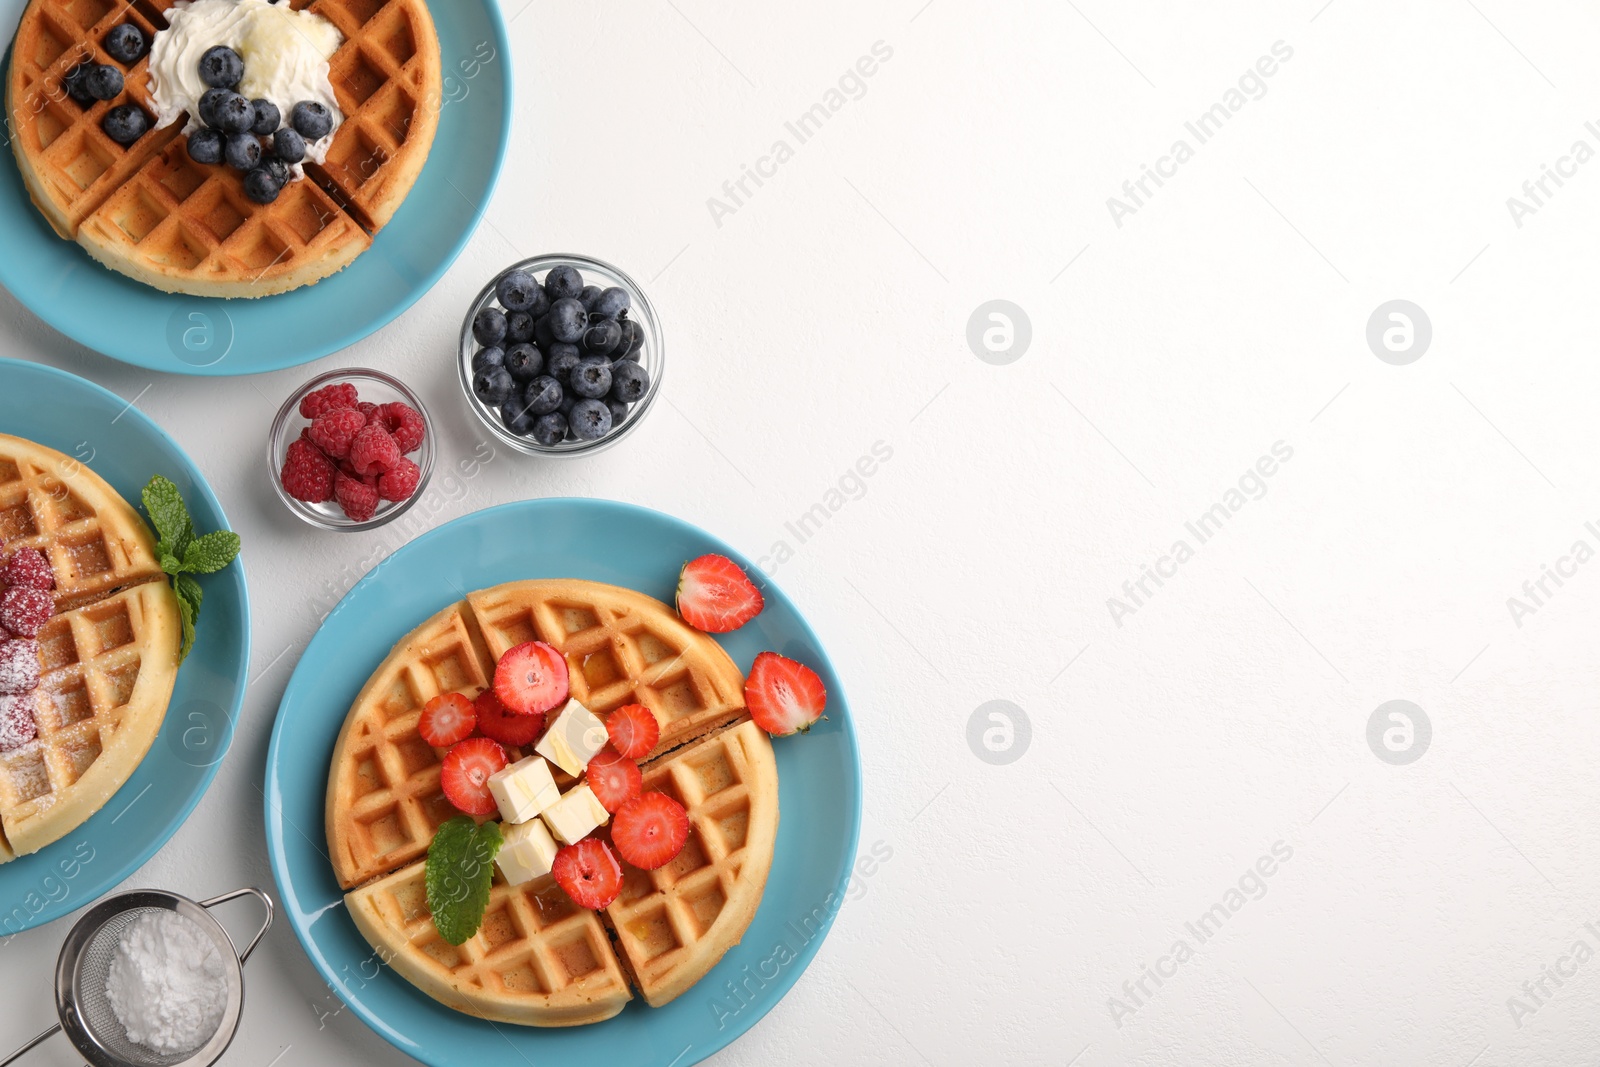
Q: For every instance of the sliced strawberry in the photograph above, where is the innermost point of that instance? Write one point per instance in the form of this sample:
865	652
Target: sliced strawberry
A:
784	697
715	596
531	678
508	729
465	775
446	719
589	873
650	830
633	730
614	778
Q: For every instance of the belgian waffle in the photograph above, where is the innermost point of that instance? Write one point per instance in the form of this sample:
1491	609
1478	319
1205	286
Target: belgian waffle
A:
152	213
108	657
384	804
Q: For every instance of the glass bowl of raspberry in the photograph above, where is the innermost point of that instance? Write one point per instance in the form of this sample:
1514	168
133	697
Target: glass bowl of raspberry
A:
561	355
351	450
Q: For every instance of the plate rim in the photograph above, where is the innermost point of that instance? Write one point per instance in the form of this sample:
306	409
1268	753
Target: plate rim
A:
68	326
159	840
272	807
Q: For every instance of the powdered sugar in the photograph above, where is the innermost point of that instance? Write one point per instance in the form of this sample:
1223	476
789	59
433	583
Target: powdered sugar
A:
17	723
166	984
24	611
19	665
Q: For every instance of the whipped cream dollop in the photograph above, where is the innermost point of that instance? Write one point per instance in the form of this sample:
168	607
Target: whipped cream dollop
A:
285	55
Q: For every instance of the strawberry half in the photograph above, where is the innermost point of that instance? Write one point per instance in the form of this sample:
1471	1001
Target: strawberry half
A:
531	678
715	596
446	719
633	730
650	830
508	729
589	873
465	775
614	778
784	697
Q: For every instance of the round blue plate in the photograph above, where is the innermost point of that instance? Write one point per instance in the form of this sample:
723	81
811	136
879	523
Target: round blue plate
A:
819	792
111	438
136	324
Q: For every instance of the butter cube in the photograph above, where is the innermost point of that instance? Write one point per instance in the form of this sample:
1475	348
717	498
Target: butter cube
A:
575	738
528	853
576	815
524	789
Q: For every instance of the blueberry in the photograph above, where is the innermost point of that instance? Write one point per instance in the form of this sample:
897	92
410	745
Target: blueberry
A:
563	282
205	146
242	151
561	361
126	43
519	327
278	169
590	419
234	113
541	303
544	395
541	332
261	186
288	145
75	81
632	340
103	81
588	295
490	326
221	67
493	356
629	382
125	124
619	411
602	337
209	101
612	303
516	416
515	290
568	320
493	386
592	378
568	402
268	118
311	120
550	429
524	362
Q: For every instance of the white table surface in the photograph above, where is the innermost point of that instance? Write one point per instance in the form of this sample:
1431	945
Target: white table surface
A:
1173	746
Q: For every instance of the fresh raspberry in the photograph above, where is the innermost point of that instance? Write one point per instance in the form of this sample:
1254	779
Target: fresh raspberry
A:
405	423
367	407
28	568
307	473
373	451
25	611
17	723
333	431
359	500
19	665
400	481
326	399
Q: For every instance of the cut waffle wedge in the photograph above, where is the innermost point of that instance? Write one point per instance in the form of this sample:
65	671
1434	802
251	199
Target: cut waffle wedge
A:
668	927
108	657
152	213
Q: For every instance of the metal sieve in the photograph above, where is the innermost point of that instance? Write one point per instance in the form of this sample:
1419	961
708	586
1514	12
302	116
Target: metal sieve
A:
85	963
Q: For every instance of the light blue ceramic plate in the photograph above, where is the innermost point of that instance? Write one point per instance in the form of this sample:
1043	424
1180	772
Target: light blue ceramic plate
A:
136	324
101	431
820	791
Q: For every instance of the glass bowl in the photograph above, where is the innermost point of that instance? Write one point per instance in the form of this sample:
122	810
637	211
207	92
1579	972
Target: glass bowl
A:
652	356
377	388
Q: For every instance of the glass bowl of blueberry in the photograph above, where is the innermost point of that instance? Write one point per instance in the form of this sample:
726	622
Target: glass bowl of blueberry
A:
561	355
351	450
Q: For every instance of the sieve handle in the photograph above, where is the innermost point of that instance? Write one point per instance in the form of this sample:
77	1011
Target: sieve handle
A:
29	1047
266	902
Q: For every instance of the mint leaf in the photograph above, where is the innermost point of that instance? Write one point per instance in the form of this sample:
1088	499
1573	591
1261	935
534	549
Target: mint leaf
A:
211	553
187	612
459	873
171	564
188	589
164	504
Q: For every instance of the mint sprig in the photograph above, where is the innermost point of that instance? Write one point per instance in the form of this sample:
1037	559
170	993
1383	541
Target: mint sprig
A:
459	873
182	554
